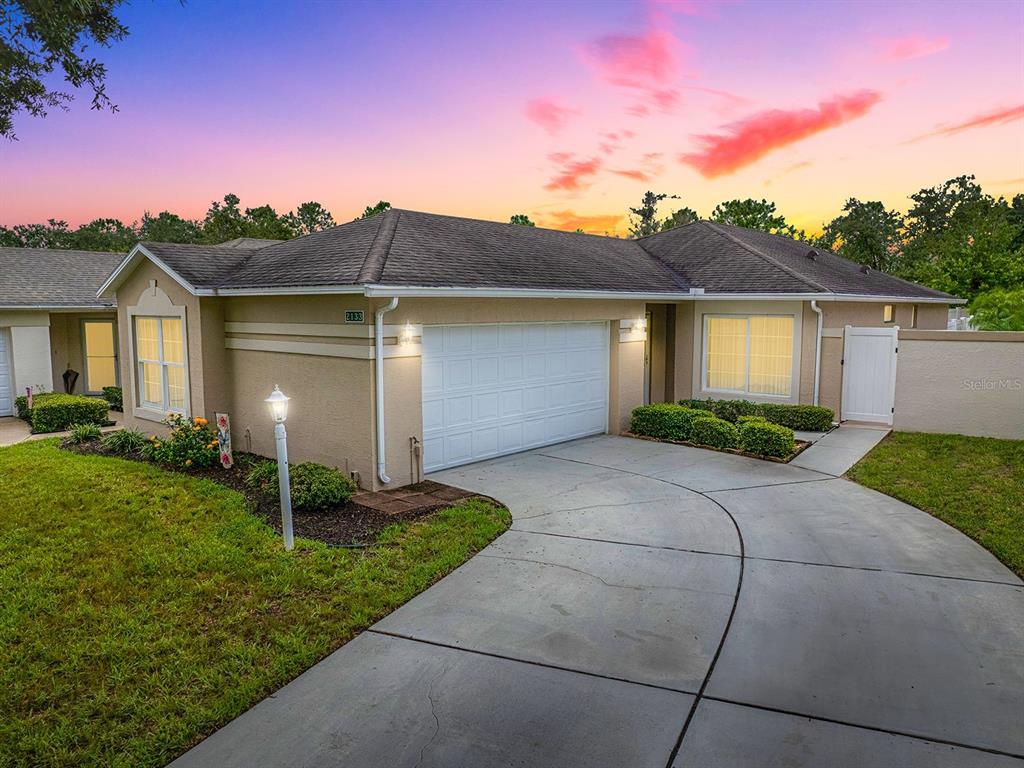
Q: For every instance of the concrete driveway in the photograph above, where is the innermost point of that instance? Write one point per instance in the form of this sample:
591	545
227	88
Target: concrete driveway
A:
657	605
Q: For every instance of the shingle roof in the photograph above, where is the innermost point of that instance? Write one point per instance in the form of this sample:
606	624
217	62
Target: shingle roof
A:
249	243
43	277
409	248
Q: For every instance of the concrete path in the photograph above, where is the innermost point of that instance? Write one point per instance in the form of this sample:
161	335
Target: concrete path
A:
835	452
658	605
14	430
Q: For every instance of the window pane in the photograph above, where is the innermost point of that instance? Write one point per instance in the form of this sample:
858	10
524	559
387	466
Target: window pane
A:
771	355
173	342
147	344
99	338
152	387
175	387
727	353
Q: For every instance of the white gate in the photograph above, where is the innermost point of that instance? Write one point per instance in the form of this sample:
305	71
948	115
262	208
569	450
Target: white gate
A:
869	374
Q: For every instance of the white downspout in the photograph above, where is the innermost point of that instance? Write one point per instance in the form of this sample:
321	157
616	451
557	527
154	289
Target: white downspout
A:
378	361
817	349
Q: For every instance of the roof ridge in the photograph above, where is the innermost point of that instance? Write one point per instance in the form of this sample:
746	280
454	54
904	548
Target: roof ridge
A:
377	253
774	262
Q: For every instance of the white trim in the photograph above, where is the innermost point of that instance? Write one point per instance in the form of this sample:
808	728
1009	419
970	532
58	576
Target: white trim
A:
153	302
134	256
319	349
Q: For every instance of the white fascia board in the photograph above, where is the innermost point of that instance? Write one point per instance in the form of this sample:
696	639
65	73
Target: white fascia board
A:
137	254
853	297
515	293
60	307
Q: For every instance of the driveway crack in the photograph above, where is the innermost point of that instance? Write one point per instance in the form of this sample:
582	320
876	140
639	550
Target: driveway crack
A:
433	713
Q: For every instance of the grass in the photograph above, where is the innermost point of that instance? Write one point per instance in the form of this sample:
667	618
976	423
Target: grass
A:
976	484
142	609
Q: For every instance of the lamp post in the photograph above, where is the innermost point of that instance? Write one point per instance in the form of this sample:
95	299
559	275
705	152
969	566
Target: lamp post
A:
278	402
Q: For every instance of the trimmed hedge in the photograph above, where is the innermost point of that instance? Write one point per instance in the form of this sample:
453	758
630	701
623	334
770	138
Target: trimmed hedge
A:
764	438
811	418
715	432
664	421
115	397
53	411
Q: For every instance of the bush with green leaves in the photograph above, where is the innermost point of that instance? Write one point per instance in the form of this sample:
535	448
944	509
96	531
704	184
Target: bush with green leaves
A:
665	421
714	432
1001	309
53	411
764	438
115	397
810	418
314	486
84	433
190	442
124	442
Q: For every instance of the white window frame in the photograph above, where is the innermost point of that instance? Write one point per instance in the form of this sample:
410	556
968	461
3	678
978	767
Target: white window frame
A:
165	381
154	303
794	373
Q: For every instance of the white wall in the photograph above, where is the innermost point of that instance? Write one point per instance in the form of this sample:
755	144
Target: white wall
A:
30	353
960	382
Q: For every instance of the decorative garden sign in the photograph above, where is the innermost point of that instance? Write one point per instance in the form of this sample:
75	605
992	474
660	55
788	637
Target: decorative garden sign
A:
224	440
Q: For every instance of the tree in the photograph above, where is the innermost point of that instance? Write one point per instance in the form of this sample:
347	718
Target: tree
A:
223	222
373	210
752	214
999	310
643	220
521	219
310	217
53	234
264	222
111	235
867	233
167	227
37	36
679	218
934	207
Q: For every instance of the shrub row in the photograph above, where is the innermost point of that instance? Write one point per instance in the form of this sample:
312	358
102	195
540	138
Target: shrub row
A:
752	433
811	418
53	411
115	397
314	486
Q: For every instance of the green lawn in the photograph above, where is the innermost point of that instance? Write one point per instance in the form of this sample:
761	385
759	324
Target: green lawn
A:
141	609
975	484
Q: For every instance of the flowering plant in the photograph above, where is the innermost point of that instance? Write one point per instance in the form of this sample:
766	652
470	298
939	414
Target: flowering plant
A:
190	443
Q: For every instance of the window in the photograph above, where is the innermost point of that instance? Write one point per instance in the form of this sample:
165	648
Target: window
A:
160	361
100	355
888	313
913	316
749	354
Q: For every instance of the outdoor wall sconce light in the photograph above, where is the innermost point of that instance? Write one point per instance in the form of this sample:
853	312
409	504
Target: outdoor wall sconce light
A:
406	337
278	402
640	325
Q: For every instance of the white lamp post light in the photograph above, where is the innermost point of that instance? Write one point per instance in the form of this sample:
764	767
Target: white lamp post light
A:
278	402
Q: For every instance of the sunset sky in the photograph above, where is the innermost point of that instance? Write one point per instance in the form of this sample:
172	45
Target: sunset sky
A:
564	111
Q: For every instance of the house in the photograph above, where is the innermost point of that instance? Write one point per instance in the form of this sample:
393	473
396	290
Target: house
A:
410	341
51	321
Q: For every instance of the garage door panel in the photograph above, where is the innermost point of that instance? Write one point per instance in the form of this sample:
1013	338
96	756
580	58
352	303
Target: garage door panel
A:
495	389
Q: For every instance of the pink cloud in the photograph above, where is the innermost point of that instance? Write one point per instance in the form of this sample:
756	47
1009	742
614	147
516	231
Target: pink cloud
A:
910	47
549	114
747	141
573	174
635	174
997	117
634	61
638	110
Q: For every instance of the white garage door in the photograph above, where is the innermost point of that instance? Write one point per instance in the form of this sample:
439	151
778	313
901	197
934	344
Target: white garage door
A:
489	390
6	385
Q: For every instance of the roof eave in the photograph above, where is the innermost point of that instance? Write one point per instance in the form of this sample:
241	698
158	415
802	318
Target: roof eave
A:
131	261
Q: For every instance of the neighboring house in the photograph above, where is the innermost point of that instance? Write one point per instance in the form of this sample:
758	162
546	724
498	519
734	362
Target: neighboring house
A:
491	338
51	320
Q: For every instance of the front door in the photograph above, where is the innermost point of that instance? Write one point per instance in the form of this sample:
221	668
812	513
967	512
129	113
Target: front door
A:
100	348
869	374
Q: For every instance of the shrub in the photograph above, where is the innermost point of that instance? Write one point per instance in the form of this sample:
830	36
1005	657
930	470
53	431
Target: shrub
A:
314	486
53	412
811	418
83	433
114	396
21	404
714	432
765	439
665	421
190	443
124	442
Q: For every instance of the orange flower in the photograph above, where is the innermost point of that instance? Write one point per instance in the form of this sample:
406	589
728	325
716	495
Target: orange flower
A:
201	421
188	462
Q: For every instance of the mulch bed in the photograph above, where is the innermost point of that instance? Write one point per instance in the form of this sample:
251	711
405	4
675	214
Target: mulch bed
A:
801	446
355	524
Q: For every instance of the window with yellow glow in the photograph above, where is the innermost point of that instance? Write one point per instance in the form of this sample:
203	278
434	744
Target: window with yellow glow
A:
100	355
160	360
888	313
749	354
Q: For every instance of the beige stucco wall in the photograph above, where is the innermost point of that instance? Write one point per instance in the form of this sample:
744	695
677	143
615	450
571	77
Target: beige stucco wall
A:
961	382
